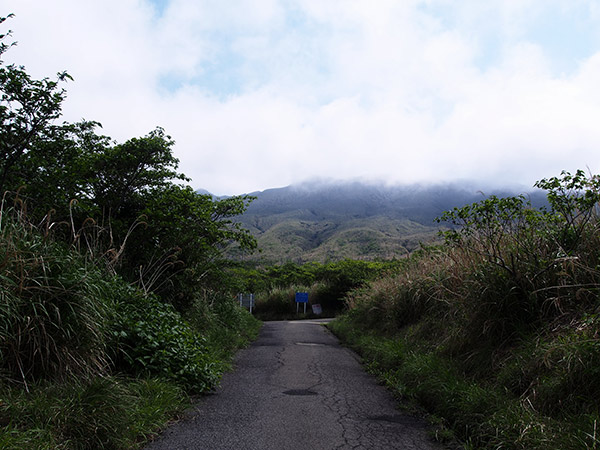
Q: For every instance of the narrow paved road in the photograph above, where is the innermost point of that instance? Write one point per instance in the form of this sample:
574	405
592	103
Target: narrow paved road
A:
296	387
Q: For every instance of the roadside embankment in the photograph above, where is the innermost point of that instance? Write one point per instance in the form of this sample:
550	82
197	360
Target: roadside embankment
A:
497	332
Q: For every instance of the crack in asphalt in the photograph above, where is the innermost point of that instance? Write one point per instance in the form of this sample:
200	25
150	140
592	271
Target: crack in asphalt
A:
297	388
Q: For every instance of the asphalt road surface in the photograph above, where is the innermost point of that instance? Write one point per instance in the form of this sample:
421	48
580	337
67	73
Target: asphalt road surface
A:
296	388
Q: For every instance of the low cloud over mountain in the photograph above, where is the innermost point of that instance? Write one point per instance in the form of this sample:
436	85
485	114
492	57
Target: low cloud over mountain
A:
332	221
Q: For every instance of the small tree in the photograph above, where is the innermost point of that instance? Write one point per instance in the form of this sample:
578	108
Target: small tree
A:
27	109
574	202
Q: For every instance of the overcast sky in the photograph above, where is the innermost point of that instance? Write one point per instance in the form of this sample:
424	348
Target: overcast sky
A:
265	93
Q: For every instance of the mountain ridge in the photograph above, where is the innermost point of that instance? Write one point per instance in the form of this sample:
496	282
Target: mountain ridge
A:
332	221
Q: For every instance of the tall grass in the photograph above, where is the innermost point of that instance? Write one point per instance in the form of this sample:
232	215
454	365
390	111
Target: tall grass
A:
278	303
101	413
53	307
497	331
88	361
396	301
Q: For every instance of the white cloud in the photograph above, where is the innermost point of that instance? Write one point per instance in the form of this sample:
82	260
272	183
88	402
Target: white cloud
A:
260	94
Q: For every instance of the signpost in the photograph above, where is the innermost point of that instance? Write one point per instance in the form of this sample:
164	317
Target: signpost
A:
301	297
247	301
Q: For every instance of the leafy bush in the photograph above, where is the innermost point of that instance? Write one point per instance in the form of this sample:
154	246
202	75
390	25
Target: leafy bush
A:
152	339
225	325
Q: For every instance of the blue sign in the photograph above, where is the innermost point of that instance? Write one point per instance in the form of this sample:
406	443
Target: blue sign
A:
301	297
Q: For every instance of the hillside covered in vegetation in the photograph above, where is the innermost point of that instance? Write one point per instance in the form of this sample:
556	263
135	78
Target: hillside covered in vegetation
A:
332	221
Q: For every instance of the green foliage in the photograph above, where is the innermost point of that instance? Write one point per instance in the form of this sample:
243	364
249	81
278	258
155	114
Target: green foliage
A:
54	306
161	235
152	339
497	331
74	179
504	231
102	413
174	236
574	201
27	109
57	172
182	241
91	219
289	274
125	172
327	284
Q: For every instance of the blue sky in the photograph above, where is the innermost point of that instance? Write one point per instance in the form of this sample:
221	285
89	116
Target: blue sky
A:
265	93
567	32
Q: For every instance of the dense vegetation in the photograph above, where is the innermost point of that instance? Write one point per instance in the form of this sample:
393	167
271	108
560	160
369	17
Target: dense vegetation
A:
497	332
320	240
327	284
116	302
115	305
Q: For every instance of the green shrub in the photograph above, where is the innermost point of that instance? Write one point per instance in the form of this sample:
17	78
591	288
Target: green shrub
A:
279	303
225	325
152	339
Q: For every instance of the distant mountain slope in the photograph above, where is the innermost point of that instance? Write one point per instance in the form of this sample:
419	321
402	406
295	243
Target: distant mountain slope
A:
323	222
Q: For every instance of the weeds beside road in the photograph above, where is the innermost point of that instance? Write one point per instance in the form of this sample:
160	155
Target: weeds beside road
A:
497	333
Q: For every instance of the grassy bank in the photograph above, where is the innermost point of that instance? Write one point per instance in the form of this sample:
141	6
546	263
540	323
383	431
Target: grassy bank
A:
89	361
111	411
496	333
481	412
